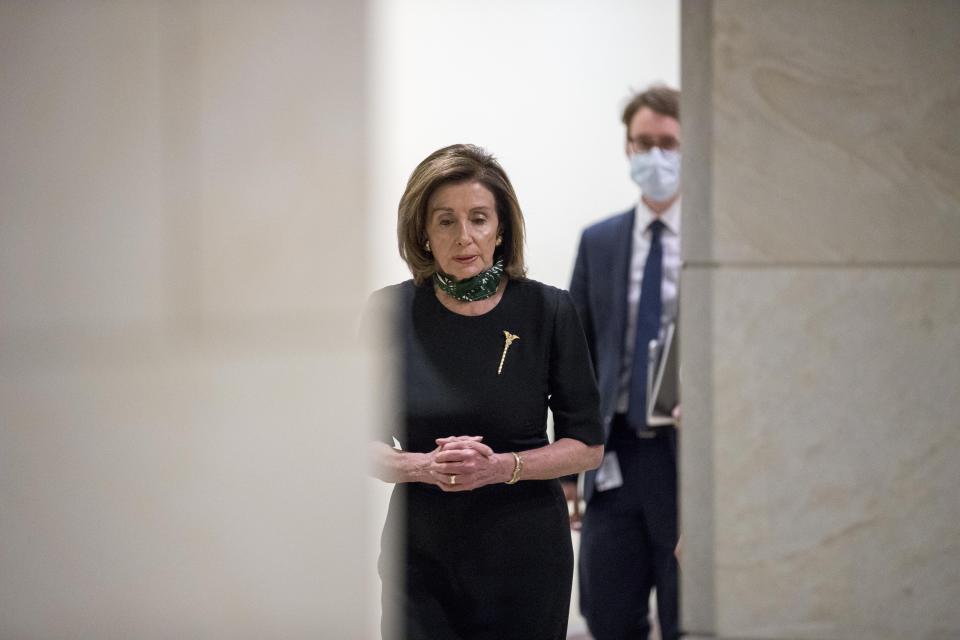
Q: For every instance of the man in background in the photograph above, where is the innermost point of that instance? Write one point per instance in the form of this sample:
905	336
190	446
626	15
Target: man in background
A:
625	289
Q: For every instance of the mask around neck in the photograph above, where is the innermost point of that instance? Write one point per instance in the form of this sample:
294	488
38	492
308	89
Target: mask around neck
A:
656	172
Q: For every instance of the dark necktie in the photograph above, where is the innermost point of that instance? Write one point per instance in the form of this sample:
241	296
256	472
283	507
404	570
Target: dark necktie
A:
649	310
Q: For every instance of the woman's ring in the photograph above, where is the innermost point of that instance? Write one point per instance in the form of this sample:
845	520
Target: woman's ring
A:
453	480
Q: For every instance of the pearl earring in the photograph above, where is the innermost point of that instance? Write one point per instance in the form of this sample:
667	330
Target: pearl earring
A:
427	246
499	240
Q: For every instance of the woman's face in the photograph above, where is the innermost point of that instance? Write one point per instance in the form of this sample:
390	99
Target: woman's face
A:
462	227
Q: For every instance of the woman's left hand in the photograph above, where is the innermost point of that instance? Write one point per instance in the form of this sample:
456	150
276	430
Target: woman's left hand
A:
465	463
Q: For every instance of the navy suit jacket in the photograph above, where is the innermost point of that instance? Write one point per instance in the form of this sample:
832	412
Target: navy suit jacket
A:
599	290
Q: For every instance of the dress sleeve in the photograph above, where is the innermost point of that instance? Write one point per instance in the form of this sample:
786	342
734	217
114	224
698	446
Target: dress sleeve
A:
574	398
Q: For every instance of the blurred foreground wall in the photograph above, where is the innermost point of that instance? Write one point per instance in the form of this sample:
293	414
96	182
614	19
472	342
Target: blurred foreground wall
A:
182	406
821	327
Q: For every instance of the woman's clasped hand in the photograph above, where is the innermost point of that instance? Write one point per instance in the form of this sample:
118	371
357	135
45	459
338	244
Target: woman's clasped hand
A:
464	463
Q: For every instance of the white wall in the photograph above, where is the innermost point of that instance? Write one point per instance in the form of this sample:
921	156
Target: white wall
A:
539	83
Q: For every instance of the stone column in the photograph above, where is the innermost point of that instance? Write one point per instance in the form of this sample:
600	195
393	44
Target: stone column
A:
182	266
821	319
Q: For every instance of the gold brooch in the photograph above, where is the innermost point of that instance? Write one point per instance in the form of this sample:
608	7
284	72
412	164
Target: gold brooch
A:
508	340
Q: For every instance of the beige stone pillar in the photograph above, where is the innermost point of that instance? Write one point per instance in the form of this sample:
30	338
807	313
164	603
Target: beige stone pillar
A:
182	409
821	324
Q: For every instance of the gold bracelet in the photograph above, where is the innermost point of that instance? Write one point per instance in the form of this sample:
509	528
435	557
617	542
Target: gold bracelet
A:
517	467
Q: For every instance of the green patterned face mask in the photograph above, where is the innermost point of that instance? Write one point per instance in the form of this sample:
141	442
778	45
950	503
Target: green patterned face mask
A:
479	287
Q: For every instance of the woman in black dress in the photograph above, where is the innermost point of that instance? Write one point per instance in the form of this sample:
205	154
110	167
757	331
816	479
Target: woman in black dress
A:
478	518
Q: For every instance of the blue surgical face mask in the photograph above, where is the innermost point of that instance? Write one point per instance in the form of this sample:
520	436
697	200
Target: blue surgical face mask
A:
657	172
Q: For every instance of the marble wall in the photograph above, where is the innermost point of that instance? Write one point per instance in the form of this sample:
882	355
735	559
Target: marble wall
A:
182	405
821	444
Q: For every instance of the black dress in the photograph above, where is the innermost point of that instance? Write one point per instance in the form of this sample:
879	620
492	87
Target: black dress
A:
496	562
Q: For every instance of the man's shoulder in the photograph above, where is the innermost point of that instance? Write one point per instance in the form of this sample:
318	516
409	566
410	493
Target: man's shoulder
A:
610	227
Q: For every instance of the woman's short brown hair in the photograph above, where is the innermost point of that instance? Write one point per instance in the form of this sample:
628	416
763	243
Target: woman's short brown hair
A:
454	164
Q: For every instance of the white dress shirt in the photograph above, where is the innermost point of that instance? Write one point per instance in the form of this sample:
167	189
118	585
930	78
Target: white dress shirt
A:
670	240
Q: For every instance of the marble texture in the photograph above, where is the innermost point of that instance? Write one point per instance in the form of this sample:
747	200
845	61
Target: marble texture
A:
821	320
835	133
182	496
836	438
820	447
183	408
698	498
697	584
277	136
80	133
